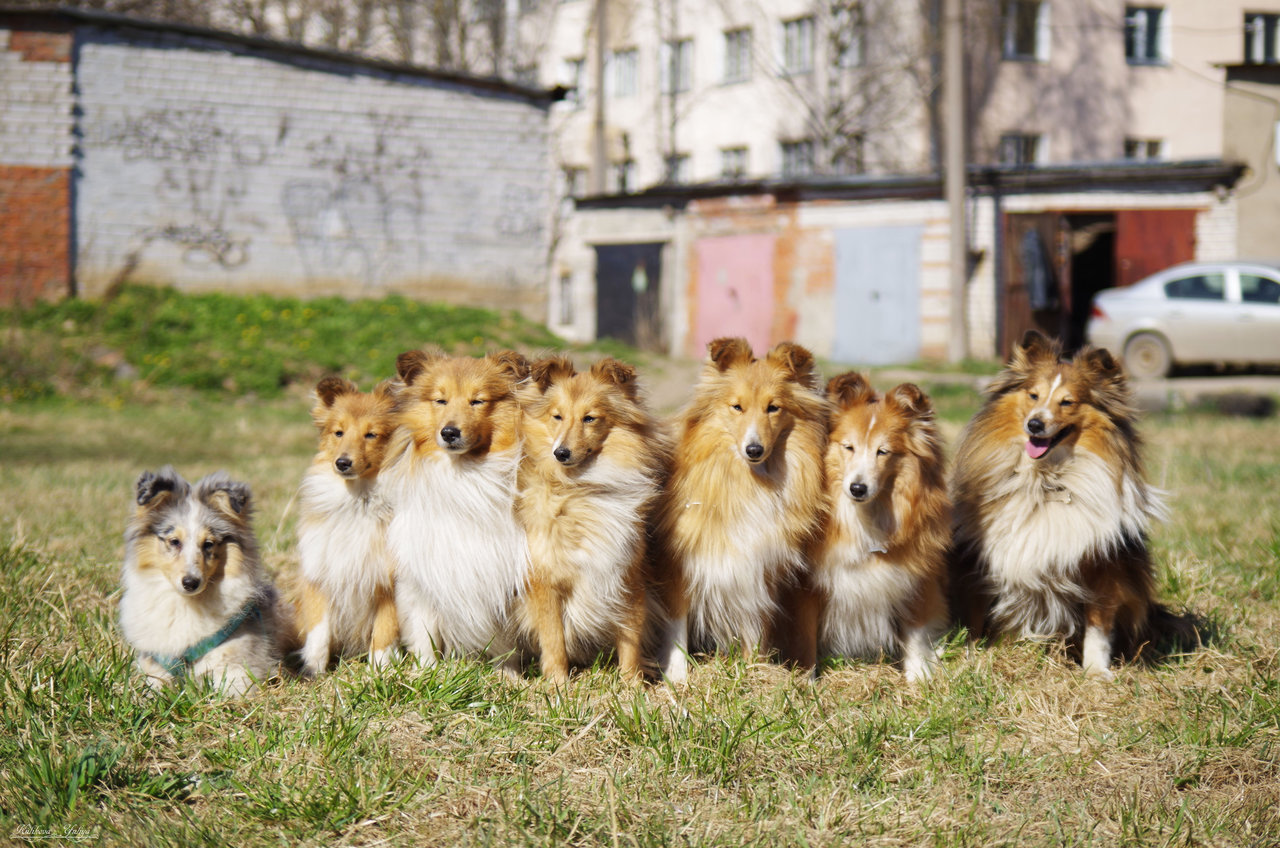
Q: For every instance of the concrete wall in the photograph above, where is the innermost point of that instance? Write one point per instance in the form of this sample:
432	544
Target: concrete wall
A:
1251	118
218	163
803	270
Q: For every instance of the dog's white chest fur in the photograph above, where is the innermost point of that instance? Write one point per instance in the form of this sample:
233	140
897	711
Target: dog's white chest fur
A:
460	556
865	592
342	545
1042	521
733	563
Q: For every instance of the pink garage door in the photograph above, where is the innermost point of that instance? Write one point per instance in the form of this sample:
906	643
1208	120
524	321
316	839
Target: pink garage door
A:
734	290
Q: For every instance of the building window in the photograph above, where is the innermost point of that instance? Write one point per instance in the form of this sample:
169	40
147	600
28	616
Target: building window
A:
848	35
623	72
849	155
1261	33
1145	35
565	296
797	45
1143	148
677	65
1025	30
1019	149
737	55
575	181
624	176
527	75
676	167
797	158
733	163
571	78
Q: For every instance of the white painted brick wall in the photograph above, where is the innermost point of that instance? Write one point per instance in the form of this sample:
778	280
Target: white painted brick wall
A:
35	110
207	167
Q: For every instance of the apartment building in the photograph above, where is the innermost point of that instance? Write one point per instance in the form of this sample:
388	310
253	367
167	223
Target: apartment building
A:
705	90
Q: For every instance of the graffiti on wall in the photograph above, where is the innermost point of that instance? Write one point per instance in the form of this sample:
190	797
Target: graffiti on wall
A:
361	216
204	177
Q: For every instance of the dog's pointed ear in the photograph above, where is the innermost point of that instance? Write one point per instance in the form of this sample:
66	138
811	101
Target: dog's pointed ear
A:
849	388
794	359
1099	361
725	353
333	387
544	372
230	497
513	364
152	489
911	400
385	392
618	373
1034	347
412	363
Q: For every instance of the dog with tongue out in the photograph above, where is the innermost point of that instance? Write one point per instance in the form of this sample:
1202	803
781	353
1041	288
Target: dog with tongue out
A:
1052	507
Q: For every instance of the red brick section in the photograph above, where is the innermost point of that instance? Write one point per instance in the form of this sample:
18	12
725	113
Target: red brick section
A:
35	234
41	46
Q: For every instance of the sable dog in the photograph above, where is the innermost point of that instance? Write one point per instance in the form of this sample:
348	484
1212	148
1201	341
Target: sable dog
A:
195	602
1052	507
880	565
744	500
461	556
348	596
593	465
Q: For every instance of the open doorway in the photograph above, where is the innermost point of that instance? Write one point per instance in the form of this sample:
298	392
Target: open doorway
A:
1093	268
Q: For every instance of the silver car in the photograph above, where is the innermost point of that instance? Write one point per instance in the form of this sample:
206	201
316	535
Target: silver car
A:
1221	313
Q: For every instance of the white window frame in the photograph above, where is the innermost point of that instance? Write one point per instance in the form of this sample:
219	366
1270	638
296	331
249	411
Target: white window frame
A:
733	162
1138	24
797	158
1009	31
623	72
1020	141
737	55
797	45
676	64
1262	38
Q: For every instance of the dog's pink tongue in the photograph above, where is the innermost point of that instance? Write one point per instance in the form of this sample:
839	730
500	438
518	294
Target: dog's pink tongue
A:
1037	448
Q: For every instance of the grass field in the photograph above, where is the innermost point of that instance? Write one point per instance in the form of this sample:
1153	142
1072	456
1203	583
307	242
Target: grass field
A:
1010	745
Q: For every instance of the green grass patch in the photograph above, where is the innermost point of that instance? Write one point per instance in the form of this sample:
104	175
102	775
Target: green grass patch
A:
222	343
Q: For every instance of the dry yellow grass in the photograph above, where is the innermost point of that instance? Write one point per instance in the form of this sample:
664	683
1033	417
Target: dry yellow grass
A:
1010	745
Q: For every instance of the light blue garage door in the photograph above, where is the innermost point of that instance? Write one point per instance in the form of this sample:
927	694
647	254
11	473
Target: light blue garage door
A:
877	295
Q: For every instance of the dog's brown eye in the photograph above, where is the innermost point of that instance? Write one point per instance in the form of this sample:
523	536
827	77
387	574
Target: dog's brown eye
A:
175	543
737	407
441	401
1067	402
371	435
587	419
207	547
557	417
771	409
1033	396
882	452
476	402
338	433
849	448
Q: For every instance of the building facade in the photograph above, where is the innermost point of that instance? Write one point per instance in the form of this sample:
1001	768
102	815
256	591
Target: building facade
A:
168	154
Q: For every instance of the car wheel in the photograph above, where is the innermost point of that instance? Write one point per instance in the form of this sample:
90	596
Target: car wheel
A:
1147	357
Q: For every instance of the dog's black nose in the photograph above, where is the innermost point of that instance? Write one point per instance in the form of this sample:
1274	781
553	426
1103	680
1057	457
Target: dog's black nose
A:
562	454
190	583
342	463
450	434
1035	426
858	490
755	451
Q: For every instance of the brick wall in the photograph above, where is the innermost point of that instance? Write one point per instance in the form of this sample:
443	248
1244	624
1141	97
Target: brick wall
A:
208	162
35	165
209	166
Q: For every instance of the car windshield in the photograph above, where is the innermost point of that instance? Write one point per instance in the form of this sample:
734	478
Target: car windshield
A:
1197	287
1255	288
